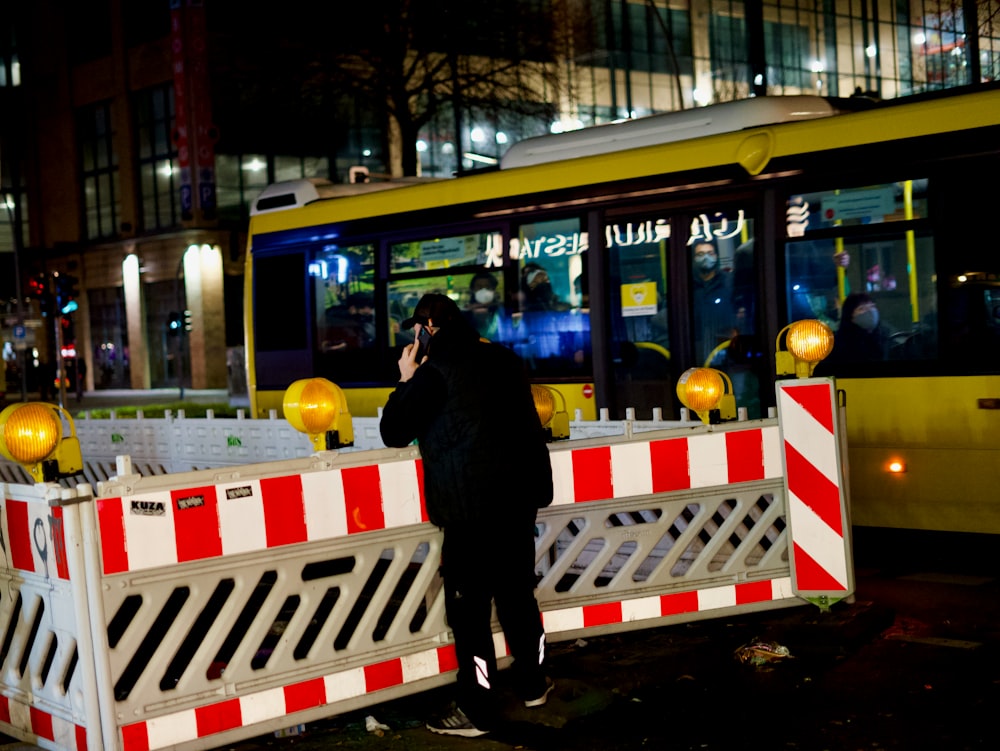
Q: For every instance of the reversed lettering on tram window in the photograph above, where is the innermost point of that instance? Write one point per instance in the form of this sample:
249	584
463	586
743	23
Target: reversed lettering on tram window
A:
243	491
192	501
149	508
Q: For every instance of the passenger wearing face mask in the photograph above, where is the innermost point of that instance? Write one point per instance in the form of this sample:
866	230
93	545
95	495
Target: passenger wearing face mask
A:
860	337
483	307
537	291
714	317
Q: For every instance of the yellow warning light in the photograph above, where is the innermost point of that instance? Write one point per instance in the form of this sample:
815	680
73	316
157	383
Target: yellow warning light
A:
29	432
806	342
32	435
554	420
703	390
896	467
318	408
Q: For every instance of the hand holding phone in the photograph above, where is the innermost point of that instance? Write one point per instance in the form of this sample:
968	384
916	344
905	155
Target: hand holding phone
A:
413	354
423	341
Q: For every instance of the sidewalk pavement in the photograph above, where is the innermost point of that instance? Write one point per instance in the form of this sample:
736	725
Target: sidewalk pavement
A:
111	398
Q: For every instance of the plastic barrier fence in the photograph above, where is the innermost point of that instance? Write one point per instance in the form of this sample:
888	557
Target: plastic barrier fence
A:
226	603
175	443
49	690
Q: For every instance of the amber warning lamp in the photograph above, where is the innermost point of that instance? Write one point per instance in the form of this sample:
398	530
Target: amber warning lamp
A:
555	421
318	408
708	393
800	346
32	434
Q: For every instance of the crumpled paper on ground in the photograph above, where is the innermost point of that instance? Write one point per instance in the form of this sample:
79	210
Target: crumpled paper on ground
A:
374	726
759	652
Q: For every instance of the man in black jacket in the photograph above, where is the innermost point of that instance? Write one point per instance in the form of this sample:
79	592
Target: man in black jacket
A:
486	466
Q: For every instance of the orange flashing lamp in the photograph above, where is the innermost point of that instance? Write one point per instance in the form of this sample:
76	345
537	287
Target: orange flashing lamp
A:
806	343
318	408
31	434
705	391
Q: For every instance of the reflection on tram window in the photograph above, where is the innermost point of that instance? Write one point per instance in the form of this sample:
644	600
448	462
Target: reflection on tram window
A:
346	321
893	270
476	249
483	305
638	248
550	327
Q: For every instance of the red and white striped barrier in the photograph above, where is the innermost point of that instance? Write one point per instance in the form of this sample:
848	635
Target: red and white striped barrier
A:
817	510
49	692
642	467
194	523
250	709
179	538
165	527
49	730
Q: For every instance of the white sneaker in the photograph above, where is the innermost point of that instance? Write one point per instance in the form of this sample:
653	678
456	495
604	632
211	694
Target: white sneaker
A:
455	722
541	700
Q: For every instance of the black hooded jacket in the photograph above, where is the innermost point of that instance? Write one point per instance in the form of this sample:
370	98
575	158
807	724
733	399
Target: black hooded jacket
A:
470	409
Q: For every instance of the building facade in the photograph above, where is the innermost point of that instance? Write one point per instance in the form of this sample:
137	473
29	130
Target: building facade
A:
135	136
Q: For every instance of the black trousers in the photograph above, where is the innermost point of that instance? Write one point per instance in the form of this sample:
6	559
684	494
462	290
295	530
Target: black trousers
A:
482	564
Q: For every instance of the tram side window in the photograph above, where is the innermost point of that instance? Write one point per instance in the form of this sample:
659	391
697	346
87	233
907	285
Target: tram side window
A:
723	291
724	301
638	245
969	267
343	288
478	293
278	299
868	273
466	268
280	316
551	325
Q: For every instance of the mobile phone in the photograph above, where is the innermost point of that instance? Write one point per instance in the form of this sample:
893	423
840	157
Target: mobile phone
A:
423	341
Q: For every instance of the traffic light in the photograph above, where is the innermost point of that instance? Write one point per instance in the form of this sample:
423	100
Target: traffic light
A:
68	330
187	320
66	293
38	289
174	323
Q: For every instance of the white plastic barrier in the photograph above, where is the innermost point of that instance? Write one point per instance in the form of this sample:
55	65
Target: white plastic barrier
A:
176	443
171	444
230	602
49	689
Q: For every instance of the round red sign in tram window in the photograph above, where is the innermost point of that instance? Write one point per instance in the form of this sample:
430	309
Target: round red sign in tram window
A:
588	391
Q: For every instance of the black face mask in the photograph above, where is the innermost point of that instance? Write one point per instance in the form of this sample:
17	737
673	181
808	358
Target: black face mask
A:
706	263
544	291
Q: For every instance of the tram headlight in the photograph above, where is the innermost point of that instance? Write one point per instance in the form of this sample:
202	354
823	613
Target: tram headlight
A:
707	390
31	434
806	343
555	421
318	408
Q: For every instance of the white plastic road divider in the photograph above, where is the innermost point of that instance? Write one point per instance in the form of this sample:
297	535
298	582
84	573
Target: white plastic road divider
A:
195	609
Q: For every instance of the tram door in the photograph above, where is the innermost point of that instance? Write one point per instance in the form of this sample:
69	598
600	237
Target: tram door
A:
704	317
637	243
722	294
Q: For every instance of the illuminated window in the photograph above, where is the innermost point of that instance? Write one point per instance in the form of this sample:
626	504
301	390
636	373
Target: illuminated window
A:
158	169
99	169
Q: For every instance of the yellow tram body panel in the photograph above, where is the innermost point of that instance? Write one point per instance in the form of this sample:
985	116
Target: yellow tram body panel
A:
943	432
